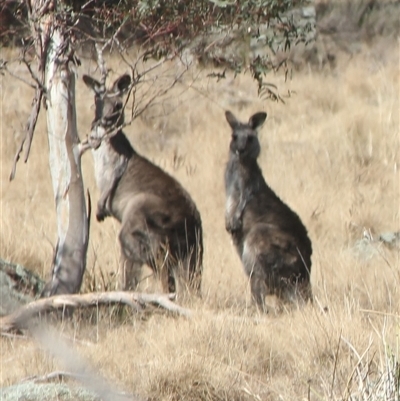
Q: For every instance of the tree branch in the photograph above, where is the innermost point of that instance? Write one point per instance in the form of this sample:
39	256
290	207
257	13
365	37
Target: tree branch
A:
19	319
41	39
30	129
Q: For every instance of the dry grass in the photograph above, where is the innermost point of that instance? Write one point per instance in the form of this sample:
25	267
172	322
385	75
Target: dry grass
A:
332	153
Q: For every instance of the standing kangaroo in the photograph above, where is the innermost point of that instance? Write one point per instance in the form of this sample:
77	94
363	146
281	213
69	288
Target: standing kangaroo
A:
270	238
160	224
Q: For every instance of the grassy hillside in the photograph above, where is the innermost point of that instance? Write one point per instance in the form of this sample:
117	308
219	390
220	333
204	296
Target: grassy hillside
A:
331	152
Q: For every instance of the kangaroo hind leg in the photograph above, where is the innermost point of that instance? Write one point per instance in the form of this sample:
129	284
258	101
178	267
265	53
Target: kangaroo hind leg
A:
130	274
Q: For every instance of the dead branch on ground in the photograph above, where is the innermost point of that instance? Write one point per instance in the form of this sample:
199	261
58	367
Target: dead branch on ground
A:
53	376
19	319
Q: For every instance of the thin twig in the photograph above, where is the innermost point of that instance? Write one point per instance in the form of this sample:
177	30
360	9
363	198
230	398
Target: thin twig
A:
31	125
32	74
375	312
335	365
161	93
14	336
16	76
356	367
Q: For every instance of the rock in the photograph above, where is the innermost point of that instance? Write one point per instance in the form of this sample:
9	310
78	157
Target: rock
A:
370	246
31	391
18	286
391	239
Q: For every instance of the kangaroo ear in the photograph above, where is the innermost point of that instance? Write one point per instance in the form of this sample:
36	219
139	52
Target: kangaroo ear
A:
122	84
256	120
232	121
93	84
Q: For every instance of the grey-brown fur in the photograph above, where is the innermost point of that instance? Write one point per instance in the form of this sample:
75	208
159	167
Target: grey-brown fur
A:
270	238
160	224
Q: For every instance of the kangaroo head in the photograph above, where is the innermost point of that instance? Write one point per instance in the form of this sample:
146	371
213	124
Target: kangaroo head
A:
244	142
109	113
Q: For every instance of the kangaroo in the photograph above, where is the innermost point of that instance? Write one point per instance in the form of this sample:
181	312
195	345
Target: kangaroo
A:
160	224
270	238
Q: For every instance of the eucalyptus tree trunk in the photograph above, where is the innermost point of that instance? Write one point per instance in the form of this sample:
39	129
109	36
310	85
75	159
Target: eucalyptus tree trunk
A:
53	36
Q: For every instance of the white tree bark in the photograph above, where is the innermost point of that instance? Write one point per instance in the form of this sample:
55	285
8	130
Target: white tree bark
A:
64	156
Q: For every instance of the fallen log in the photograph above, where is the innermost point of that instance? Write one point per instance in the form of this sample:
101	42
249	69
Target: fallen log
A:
19	319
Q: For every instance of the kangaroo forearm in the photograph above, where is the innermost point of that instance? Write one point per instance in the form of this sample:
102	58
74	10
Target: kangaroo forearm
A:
104	204
233	219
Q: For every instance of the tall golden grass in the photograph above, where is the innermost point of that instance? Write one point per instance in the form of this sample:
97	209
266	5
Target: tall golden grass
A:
331	152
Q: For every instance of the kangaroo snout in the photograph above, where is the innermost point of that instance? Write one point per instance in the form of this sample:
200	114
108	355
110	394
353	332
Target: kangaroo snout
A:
97	134
240	145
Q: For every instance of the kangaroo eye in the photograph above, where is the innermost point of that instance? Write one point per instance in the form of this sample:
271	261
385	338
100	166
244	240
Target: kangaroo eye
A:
251	138
234	137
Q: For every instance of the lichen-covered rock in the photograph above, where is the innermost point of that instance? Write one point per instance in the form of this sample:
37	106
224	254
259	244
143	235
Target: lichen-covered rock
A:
18	286
30	391
371	245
